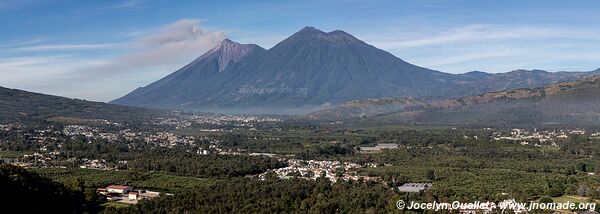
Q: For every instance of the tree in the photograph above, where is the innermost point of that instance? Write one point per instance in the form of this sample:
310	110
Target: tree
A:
582	167
556	191
77	184
90	195
582	190
546	200
431	175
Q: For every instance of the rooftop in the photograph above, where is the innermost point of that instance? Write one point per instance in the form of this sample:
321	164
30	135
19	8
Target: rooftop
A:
117	187
414	187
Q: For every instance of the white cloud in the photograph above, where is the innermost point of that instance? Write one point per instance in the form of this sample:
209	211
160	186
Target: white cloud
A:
67	47
492	48
476	33
42	68
20	43
46	74
166	48
147	58
182	30
128	4
447	60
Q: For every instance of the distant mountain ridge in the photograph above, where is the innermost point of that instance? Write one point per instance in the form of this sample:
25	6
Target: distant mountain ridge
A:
364	108
522	79
312	70
565	103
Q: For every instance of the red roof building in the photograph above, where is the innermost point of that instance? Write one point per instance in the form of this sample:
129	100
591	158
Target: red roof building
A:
119	189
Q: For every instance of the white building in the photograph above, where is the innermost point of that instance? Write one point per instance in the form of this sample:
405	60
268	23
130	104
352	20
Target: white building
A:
414	187
119	189
133	196
378	148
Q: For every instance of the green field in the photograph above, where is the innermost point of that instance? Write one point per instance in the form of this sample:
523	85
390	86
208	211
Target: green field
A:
12	154
160	181
114	204
574	199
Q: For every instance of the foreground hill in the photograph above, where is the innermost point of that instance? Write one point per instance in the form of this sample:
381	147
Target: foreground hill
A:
22	106
30	193
567	103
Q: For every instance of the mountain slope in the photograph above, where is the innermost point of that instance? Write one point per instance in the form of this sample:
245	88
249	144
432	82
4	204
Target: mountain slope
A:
364	108
308	70
183	85
313	70
566	103
21	106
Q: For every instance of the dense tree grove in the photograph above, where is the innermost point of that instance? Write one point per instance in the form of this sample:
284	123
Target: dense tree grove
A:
205	166
274	196
30	193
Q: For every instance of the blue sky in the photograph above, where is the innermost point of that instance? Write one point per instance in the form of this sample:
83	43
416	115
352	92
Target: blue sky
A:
101	50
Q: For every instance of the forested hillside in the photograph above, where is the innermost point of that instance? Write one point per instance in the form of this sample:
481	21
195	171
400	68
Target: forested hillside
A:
573	103
22	106
31	193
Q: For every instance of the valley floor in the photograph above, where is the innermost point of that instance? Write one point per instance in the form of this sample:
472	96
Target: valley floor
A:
274	166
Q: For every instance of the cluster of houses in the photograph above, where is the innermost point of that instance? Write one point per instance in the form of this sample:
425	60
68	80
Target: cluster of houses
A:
94	164
49	159
543	137
36	159
181	120
127	194
165	139
313	169
7	127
